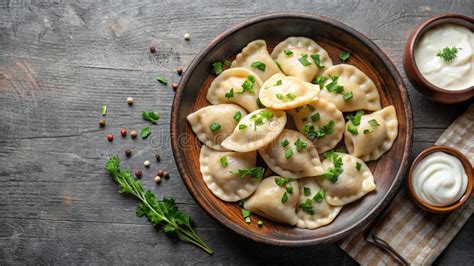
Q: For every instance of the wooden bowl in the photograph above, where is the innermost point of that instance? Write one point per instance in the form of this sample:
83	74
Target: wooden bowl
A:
467	167
334	37
416	78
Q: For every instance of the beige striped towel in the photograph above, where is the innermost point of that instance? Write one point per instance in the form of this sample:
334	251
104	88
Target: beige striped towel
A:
417	237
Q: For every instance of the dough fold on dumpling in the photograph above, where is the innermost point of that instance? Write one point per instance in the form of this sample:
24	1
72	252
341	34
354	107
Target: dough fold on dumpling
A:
358	91
374	136
283	92
313	210
256	130
301	57
236	85
353	182
213	123
292	155
274	201
317	117
255	57
216	168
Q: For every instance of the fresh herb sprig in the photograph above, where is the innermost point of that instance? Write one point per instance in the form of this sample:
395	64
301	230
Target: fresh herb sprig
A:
151	116
158	212
448	54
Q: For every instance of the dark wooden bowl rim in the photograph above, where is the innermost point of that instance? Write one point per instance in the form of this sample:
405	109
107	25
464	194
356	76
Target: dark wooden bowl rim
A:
467	167
370	215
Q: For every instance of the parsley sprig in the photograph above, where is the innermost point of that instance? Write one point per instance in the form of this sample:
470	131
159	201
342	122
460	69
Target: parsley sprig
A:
158	212
448	54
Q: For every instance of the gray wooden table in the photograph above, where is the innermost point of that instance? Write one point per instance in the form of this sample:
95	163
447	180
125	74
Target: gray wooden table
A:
60	62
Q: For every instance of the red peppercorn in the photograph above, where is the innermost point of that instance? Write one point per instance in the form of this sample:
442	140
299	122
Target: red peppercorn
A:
123	132
138	174
179	70
152	49
110	137
174	86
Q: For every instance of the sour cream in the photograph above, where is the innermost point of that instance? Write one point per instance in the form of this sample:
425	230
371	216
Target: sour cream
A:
439	179
457	74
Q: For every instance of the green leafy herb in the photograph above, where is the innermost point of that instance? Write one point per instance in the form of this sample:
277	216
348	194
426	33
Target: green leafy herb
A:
217	68
289	190
300	145
229	94
162	80
279	96
248	85
259	65
344	56
352	129
227	63
291	96
151	116
367	131
320	81
284	198
319	197
307	191
261	118
317	60
237	116
158	212
253	172
307	206
242	126
278	83
214	126
322	131
347	96
103	110
288	52
285	143
288	153
355	119
145	132
374	123
282	181
304	60
358	166
333	173
245	213
333	87
224	161
316	117
448	54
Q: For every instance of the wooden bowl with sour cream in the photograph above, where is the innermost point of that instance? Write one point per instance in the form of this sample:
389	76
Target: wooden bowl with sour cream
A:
434	92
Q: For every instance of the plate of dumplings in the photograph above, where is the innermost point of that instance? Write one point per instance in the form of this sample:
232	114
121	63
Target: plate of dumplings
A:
292	129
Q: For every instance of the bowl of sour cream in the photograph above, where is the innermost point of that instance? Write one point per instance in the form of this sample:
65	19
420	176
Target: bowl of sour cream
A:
440	179
439	58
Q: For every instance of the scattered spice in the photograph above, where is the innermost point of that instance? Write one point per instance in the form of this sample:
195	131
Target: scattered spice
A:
110	137
174	86
157	179
130	101
138	173
187	37
128	152
166	174
123	132
158	158
102	123
133	134
179	70
152	49
159	172
146	164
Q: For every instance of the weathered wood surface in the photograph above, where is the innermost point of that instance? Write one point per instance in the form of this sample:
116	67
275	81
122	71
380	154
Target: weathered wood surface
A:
59	62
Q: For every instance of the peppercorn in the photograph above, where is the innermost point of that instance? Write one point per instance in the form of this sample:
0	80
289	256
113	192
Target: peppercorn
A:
158	158
157	179
102	123
128	152
159	172
123	132
130	101
110	137
146	163
133	134
179	70
138	174
166	174
152	49
174	86
187	37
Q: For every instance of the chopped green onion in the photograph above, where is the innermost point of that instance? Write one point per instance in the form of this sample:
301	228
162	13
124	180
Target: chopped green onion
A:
224	161
214	127
344	56
258	65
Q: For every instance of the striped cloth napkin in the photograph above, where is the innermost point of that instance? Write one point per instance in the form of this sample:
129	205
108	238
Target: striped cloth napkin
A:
406	234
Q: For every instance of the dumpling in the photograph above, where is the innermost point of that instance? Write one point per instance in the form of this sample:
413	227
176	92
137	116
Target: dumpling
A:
348	88
347	178
313	210
373	136
292	155
301	57
321	122
236	85
282	92
275	198
212	124
220	173
255	57
256	130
